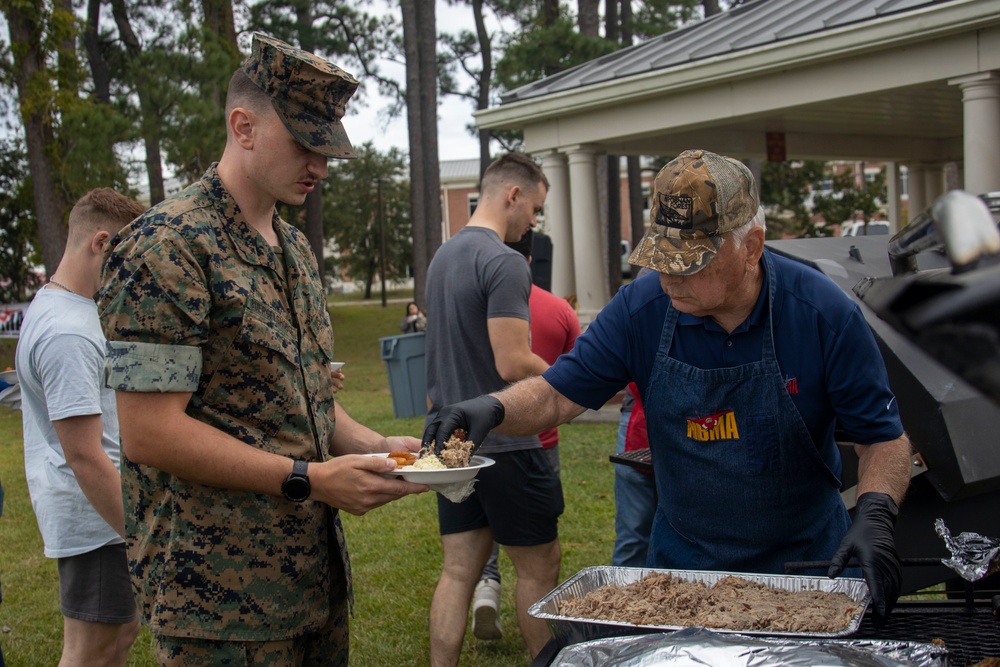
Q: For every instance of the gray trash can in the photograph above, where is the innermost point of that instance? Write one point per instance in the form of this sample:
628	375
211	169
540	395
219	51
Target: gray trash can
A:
404	362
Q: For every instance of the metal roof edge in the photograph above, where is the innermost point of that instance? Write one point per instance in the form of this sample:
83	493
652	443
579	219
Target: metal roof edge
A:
623	52
875	35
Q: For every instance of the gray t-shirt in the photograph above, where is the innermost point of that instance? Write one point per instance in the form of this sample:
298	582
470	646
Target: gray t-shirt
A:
472	278
60	367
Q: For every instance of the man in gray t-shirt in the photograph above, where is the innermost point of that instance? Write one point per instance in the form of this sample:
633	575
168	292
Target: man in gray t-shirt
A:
71	440
478	341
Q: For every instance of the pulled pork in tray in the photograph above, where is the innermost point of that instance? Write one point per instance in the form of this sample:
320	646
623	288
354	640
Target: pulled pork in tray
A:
732	603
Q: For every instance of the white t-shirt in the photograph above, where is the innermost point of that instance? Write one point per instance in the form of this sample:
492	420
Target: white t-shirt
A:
60	367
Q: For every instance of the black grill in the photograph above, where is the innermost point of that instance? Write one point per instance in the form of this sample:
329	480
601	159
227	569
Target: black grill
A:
970	631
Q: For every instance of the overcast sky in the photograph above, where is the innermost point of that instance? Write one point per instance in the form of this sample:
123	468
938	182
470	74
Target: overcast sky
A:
365	123
454	113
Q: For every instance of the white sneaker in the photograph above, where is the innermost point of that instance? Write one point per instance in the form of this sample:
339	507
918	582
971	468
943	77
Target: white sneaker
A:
486	610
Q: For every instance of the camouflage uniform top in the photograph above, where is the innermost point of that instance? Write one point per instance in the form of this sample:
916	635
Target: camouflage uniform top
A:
194	300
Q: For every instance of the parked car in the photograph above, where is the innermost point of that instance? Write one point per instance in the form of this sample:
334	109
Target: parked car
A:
874	228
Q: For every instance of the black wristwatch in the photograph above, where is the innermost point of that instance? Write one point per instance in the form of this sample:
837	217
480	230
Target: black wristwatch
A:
296	486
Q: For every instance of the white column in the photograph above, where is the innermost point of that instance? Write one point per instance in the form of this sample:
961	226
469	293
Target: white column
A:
981	112
445	213
915	189
892	204
591	265
559	223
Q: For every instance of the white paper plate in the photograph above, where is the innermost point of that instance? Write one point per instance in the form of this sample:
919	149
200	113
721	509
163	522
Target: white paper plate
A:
440	476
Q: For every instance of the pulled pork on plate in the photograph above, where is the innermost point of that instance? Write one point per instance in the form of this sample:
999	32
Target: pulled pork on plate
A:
456	453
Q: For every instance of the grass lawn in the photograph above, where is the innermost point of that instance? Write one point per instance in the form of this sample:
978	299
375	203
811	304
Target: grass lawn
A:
395	550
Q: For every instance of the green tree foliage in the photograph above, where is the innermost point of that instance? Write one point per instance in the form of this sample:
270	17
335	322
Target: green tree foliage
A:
18	227
195	109
789	194
543	49
87	128
472	53
68	132
152	99
548	44
466	66
347	33
356	222
89	132
785	188
655	17
849	201
349	36
155	71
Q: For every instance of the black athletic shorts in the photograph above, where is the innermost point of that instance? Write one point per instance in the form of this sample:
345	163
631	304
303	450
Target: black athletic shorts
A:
519	498
94	586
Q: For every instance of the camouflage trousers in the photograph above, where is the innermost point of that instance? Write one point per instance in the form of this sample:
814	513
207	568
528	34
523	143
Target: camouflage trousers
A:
328	647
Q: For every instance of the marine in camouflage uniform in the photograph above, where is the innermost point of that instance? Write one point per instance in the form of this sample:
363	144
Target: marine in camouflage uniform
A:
197	302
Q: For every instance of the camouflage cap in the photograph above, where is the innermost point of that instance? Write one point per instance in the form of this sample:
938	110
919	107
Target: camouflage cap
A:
308	93
697	197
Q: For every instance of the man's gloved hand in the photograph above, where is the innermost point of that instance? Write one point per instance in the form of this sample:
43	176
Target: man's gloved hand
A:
476	416
870	539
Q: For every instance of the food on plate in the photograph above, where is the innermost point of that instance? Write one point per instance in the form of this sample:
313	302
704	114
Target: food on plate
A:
429	462
457	450
457	453
403	458
732	603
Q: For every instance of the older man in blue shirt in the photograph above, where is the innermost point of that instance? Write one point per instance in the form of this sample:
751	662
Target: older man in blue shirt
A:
746	362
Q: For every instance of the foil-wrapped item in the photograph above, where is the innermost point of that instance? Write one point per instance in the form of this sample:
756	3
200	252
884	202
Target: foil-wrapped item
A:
973	556
456	492
700	647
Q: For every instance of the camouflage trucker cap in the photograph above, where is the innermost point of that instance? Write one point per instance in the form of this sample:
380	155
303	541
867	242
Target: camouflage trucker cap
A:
308	93
697	197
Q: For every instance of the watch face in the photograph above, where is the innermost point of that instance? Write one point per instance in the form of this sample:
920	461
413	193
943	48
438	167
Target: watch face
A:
296	489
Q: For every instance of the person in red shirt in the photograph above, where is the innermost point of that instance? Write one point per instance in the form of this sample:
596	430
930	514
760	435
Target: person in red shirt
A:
554	328
635	490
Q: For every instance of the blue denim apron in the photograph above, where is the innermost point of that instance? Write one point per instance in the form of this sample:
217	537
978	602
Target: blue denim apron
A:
741	485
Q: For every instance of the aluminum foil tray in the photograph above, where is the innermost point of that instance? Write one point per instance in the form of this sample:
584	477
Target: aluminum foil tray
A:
572	630
704	647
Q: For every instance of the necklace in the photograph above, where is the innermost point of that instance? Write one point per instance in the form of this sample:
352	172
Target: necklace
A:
60	286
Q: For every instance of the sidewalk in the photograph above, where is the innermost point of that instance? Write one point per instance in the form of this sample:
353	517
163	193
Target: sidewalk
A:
374	301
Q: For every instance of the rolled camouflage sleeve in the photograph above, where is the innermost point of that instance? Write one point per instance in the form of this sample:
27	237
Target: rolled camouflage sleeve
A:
147	367
154	312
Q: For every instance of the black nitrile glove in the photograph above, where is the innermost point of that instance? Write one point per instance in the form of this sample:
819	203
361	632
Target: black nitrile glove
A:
476	416
870	539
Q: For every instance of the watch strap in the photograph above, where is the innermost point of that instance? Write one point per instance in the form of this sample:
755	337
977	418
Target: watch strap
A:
296	486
